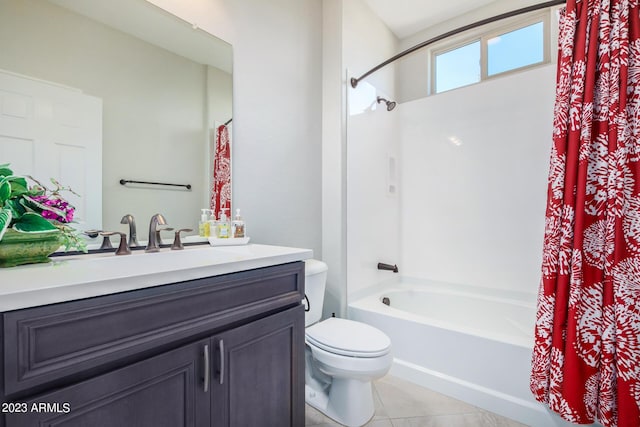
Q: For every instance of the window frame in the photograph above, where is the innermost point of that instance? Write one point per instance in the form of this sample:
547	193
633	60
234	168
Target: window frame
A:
446	49
484	34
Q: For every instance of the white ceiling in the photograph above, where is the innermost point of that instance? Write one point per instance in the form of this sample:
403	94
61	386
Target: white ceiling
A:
407	17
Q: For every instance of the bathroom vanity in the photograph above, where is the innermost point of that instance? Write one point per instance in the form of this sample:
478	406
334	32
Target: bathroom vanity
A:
200	337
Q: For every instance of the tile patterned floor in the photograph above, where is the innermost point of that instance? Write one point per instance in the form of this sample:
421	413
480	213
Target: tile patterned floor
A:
402	404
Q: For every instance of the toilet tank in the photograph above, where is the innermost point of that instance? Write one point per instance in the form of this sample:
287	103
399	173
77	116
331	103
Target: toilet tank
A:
315	273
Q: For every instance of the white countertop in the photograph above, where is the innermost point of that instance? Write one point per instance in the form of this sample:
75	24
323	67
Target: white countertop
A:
69	278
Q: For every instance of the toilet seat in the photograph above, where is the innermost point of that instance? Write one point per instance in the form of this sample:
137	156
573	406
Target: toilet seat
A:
348	338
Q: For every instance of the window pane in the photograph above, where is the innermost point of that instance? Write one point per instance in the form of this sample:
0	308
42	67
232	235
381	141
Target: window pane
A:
458	67
519	48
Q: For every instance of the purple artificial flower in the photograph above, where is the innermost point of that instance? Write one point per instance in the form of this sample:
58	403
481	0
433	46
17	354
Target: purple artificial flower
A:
60	211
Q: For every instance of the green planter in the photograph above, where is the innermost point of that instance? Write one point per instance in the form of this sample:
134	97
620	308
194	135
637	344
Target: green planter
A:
27	248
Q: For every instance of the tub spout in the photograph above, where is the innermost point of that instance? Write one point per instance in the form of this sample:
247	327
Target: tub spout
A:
389	267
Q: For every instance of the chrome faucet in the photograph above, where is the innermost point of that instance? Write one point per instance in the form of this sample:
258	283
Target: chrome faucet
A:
152	243
133	236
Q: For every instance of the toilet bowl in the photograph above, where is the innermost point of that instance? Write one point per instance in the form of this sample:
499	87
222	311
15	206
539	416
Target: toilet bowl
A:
342	358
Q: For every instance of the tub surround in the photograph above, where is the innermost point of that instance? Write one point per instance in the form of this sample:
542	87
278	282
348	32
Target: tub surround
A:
226	326
85	276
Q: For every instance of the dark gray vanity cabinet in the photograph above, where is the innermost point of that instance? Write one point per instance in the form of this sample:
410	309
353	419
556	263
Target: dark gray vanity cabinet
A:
218	351
162	391
250	376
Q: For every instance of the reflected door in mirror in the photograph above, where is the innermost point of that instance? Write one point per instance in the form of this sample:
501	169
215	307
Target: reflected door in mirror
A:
51	131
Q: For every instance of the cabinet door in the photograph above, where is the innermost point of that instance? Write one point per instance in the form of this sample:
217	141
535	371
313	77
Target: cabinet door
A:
163	391
259	375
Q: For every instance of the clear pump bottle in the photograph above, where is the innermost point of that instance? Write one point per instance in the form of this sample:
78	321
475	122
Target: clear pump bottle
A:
237	226
204	229
223	229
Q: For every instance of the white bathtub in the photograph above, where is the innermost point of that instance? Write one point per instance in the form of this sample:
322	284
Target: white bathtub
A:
470	343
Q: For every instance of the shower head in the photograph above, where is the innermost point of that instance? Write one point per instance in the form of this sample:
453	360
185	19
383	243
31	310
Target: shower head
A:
390	104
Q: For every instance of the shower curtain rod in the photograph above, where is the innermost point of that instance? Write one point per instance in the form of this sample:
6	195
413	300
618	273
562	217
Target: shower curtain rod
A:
355	81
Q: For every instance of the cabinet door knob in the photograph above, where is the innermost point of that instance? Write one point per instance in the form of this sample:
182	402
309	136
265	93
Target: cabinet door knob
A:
207	369
221	350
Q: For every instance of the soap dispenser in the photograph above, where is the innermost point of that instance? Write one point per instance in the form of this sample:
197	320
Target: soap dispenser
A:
223	229
237	226
213	224
203	226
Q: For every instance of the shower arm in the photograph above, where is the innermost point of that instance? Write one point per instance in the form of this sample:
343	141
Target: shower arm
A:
354	81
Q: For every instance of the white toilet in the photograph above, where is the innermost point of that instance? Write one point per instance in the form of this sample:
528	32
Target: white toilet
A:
342	357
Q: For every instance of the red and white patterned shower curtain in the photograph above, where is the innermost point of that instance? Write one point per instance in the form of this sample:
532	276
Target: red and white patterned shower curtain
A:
586	359
221	184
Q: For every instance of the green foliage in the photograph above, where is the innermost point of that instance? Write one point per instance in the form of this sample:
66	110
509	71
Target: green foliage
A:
20	210
19	186
5	220
5	171
33	223
5	190
16	208
71	239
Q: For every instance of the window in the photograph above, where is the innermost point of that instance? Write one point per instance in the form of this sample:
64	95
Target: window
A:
458	67
483	55
515	49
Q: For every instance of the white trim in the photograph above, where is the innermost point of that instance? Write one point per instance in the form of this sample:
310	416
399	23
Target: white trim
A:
39	80
521	24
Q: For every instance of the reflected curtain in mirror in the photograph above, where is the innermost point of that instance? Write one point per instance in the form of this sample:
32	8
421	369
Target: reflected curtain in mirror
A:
221	179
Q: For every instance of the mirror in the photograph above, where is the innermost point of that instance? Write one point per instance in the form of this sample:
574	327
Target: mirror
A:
162	88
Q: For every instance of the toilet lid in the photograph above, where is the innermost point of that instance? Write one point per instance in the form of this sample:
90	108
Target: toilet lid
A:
348	338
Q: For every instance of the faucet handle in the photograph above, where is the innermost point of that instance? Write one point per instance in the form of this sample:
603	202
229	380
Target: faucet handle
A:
92	234
123	249
177	243
106	242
